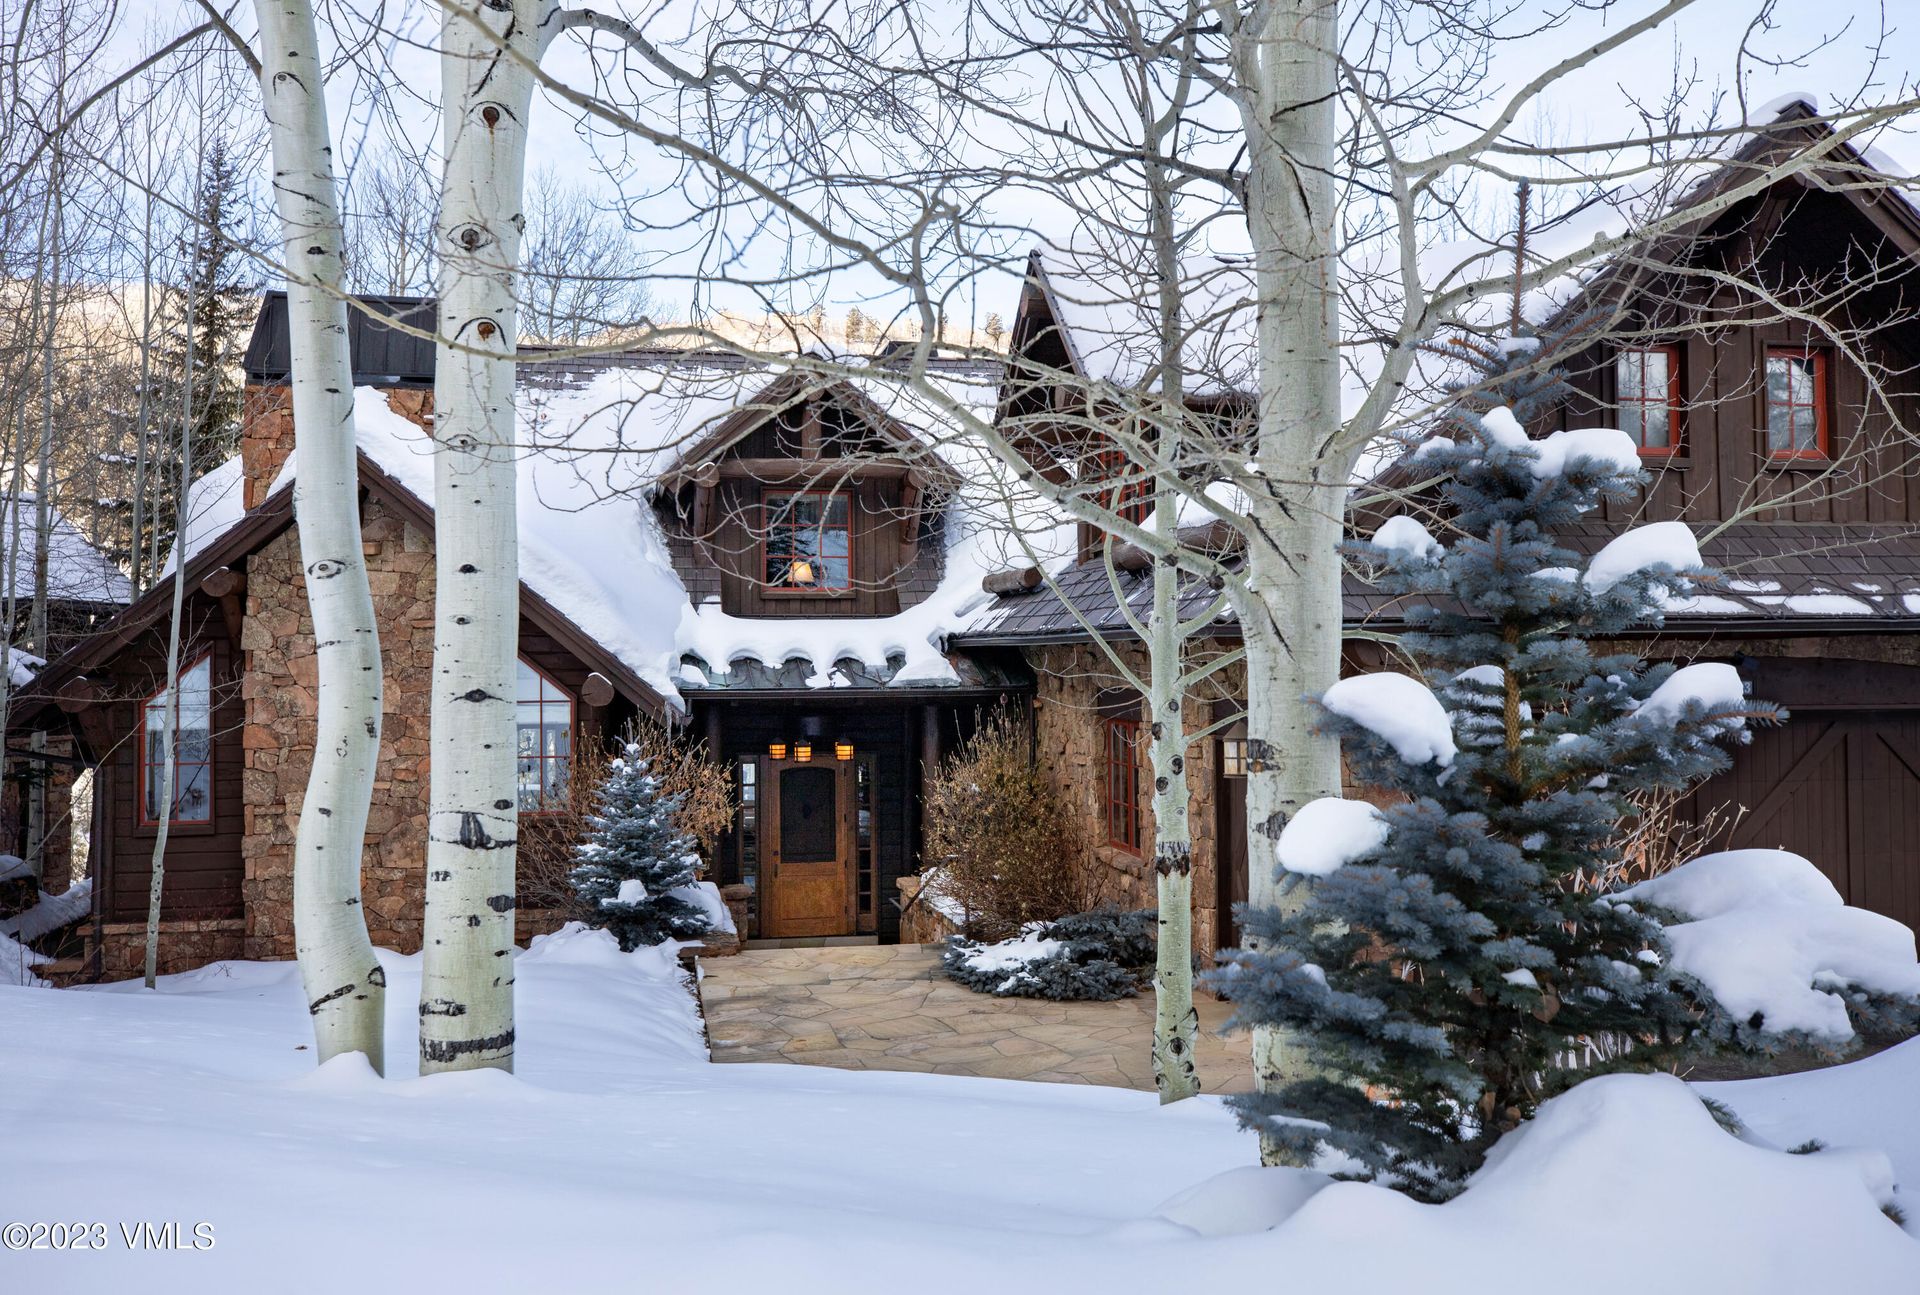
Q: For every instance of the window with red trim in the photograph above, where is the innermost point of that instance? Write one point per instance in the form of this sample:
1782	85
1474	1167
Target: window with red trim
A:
1123	782
809	542
1647	397
543	742
189	730
1797	403
1131	493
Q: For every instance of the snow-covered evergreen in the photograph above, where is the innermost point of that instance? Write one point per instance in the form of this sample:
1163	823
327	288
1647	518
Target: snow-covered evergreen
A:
1453	970
628	869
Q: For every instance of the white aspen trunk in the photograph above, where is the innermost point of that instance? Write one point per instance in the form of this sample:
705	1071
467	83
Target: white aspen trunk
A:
466	987
1290	612
1175	1022
344	982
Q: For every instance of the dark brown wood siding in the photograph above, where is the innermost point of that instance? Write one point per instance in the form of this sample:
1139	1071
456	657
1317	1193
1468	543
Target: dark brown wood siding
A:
883	568
204	868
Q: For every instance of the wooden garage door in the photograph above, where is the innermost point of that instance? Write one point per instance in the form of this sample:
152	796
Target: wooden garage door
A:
1841	788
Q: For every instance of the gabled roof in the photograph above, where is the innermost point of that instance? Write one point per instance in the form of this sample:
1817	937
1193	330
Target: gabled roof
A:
76	570
762	396
1859	175
225	537
1103	308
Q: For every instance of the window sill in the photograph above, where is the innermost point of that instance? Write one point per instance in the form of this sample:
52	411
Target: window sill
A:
1809	463
1679	462
148	831
824	595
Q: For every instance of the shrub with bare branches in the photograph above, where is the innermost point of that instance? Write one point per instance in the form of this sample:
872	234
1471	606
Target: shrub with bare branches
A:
1004	838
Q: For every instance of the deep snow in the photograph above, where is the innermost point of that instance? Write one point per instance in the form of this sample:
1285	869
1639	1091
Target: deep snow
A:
617	1159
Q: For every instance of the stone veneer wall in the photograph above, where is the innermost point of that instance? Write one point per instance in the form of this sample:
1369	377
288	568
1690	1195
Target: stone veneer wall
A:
278	691
1072	749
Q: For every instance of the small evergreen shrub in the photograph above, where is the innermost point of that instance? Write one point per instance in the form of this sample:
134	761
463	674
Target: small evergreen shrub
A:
1096	956
635	857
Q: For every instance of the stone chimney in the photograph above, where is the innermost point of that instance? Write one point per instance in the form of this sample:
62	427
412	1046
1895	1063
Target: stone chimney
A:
266	437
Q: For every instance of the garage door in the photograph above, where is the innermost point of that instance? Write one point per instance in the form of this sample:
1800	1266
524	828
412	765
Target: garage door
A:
1841	788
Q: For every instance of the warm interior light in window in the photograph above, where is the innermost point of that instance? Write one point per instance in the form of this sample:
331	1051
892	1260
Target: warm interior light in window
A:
843	750
801	572
803	751
778	750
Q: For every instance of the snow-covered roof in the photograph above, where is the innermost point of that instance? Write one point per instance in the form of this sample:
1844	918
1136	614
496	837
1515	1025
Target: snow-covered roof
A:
596	442
1105	308
76	570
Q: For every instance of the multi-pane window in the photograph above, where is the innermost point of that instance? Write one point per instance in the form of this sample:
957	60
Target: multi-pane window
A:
189	730
1123	782
1796	403
809	542
543	742
1647	389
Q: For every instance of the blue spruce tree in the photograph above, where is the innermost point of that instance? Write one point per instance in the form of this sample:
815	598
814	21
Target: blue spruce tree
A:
635	858
1458	963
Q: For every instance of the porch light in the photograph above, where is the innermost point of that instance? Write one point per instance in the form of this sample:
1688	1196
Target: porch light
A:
800	572
803	751
843	750
777	750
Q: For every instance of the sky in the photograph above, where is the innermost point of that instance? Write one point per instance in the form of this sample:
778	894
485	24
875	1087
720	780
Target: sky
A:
1826	47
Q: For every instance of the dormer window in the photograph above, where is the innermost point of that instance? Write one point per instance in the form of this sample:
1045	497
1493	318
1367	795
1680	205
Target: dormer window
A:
809	542
1647	389
1131	493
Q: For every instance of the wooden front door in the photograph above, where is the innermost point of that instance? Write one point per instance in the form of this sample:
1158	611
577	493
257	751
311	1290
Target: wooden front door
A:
810	849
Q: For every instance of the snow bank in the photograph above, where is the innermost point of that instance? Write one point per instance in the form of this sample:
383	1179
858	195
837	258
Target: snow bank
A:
17	962
705	896
1711	683
1775	952
51	912
1656	544
1328	834
1714	884
1401	709
615	1139
1406	535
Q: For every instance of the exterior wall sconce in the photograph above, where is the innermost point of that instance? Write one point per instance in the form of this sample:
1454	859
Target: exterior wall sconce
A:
777	750
803	751
843	750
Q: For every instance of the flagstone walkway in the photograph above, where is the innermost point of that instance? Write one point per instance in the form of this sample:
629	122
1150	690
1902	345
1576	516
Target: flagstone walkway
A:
887	1007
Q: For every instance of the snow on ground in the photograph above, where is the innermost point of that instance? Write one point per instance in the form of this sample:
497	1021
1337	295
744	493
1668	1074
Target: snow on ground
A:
617	1159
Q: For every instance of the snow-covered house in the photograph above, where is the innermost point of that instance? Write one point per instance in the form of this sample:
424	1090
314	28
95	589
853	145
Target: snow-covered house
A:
1788	450
772	561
